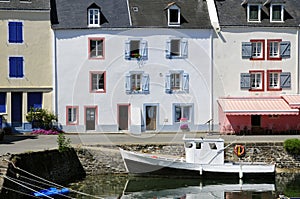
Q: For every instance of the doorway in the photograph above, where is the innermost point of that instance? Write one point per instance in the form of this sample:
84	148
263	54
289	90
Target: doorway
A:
123	117
151	113
90	121
16	109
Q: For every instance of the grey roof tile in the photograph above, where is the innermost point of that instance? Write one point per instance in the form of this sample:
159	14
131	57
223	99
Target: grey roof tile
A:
232	13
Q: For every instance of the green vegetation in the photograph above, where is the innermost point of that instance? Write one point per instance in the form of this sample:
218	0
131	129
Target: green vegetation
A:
63	143
292	146
40	118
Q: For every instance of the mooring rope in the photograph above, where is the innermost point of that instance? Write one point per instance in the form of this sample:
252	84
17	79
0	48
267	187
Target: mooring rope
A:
19	192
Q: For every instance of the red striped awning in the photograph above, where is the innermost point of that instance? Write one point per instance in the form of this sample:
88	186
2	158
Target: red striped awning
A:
292	100
256	106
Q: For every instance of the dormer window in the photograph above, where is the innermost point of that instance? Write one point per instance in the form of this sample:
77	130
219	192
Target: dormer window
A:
94	17
254	13
173	15
277	13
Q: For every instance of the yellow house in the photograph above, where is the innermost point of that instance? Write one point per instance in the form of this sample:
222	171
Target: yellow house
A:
26	60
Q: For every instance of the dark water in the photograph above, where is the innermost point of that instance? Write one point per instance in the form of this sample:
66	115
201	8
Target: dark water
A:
125	187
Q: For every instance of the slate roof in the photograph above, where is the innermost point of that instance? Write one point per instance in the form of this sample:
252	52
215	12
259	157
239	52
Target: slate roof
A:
31	5
232	13
153	13
72	14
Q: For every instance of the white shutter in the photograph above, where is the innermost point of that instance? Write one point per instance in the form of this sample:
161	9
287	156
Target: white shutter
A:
127	49
185	82
127	84
184	48
145	83
168	49
144	50
168	83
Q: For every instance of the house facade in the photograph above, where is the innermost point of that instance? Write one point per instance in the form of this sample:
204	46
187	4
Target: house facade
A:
132	66
256	66
26	60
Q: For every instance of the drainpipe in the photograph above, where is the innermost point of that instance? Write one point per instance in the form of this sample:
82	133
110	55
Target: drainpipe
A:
298	60
55	98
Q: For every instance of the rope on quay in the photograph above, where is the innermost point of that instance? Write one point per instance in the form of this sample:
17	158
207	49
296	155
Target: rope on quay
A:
51	183
19	192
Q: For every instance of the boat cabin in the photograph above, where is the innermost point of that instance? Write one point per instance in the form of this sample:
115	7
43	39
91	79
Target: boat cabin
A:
204	151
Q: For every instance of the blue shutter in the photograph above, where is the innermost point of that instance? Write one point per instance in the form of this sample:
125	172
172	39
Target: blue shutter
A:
185	82
15	32
34	100
127	50
144	50
12	67
285	49
168	83
285	80
127	84
2	102
145	82
245	80
19	67
184	48
246	50
168	49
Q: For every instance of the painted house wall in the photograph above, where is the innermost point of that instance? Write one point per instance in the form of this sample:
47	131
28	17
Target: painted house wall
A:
36	51
229	64
73	69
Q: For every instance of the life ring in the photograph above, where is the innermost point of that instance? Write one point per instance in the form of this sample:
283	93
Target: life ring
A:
239	150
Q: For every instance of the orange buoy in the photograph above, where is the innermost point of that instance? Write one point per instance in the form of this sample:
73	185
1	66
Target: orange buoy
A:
239	150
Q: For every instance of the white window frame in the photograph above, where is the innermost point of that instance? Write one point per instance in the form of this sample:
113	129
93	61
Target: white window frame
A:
281	13
256	80
257	51
94	18
99	48
94	85
176	81
183	114
135	82
72	117
274	51
259	13
274	80
175	23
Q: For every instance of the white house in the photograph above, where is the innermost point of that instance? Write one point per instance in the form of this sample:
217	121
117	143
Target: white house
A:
136	66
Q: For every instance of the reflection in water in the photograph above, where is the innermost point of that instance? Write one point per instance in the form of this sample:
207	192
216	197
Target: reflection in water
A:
125	187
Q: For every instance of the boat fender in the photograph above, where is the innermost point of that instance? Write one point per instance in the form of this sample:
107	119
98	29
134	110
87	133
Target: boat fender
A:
239	150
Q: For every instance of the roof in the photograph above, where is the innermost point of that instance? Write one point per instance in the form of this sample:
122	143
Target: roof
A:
153	13
256	106
292	100
72	14
234	13
31	5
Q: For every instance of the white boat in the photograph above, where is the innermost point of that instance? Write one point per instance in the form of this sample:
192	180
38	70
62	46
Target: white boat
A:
204	157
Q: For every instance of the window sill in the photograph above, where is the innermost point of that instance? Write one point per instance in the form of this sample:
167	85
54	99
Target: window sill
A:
274	89
274	58
256	90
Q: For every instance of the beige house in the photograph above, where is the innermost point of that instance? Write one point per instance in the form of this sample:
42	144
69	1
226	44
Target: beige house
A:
26	60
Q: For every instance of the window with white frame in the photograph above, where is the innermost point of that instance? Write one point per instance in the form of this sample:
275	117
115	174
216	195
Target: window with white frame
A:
94	17
72	115
277	13
96	48
136	49
278	49
177	48
177	81
137	82
182	112
273	49
273	80
174	15
256	80
257	49
254	13
97	82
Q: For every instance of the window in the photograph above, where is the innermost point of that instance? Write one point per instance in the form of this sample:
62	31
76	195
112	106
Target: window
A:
278	49
96	48
2	102
277	13
16	67
173	16
34	100
253	50
254	13
136	49
15	32
254	80
72	115
177	48
273	79
177	81
97	80
137	83
182	111
94	17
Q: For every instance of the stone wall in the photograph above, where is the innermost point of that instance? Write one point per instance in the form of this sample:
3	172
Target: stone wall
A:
55	166
107	159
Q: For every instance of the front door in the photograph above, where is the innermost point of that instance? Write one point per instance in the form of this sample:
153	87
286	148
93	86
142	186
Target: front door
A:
151	118
123	117
16	109
90	115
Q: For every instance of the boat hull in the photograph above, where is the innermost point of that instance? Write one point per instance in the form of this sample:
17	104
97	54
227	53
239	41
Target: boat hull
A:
144	164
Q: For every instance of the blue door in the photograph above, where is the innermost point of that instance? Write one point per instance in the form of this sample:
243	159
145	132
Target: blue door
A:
16	109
